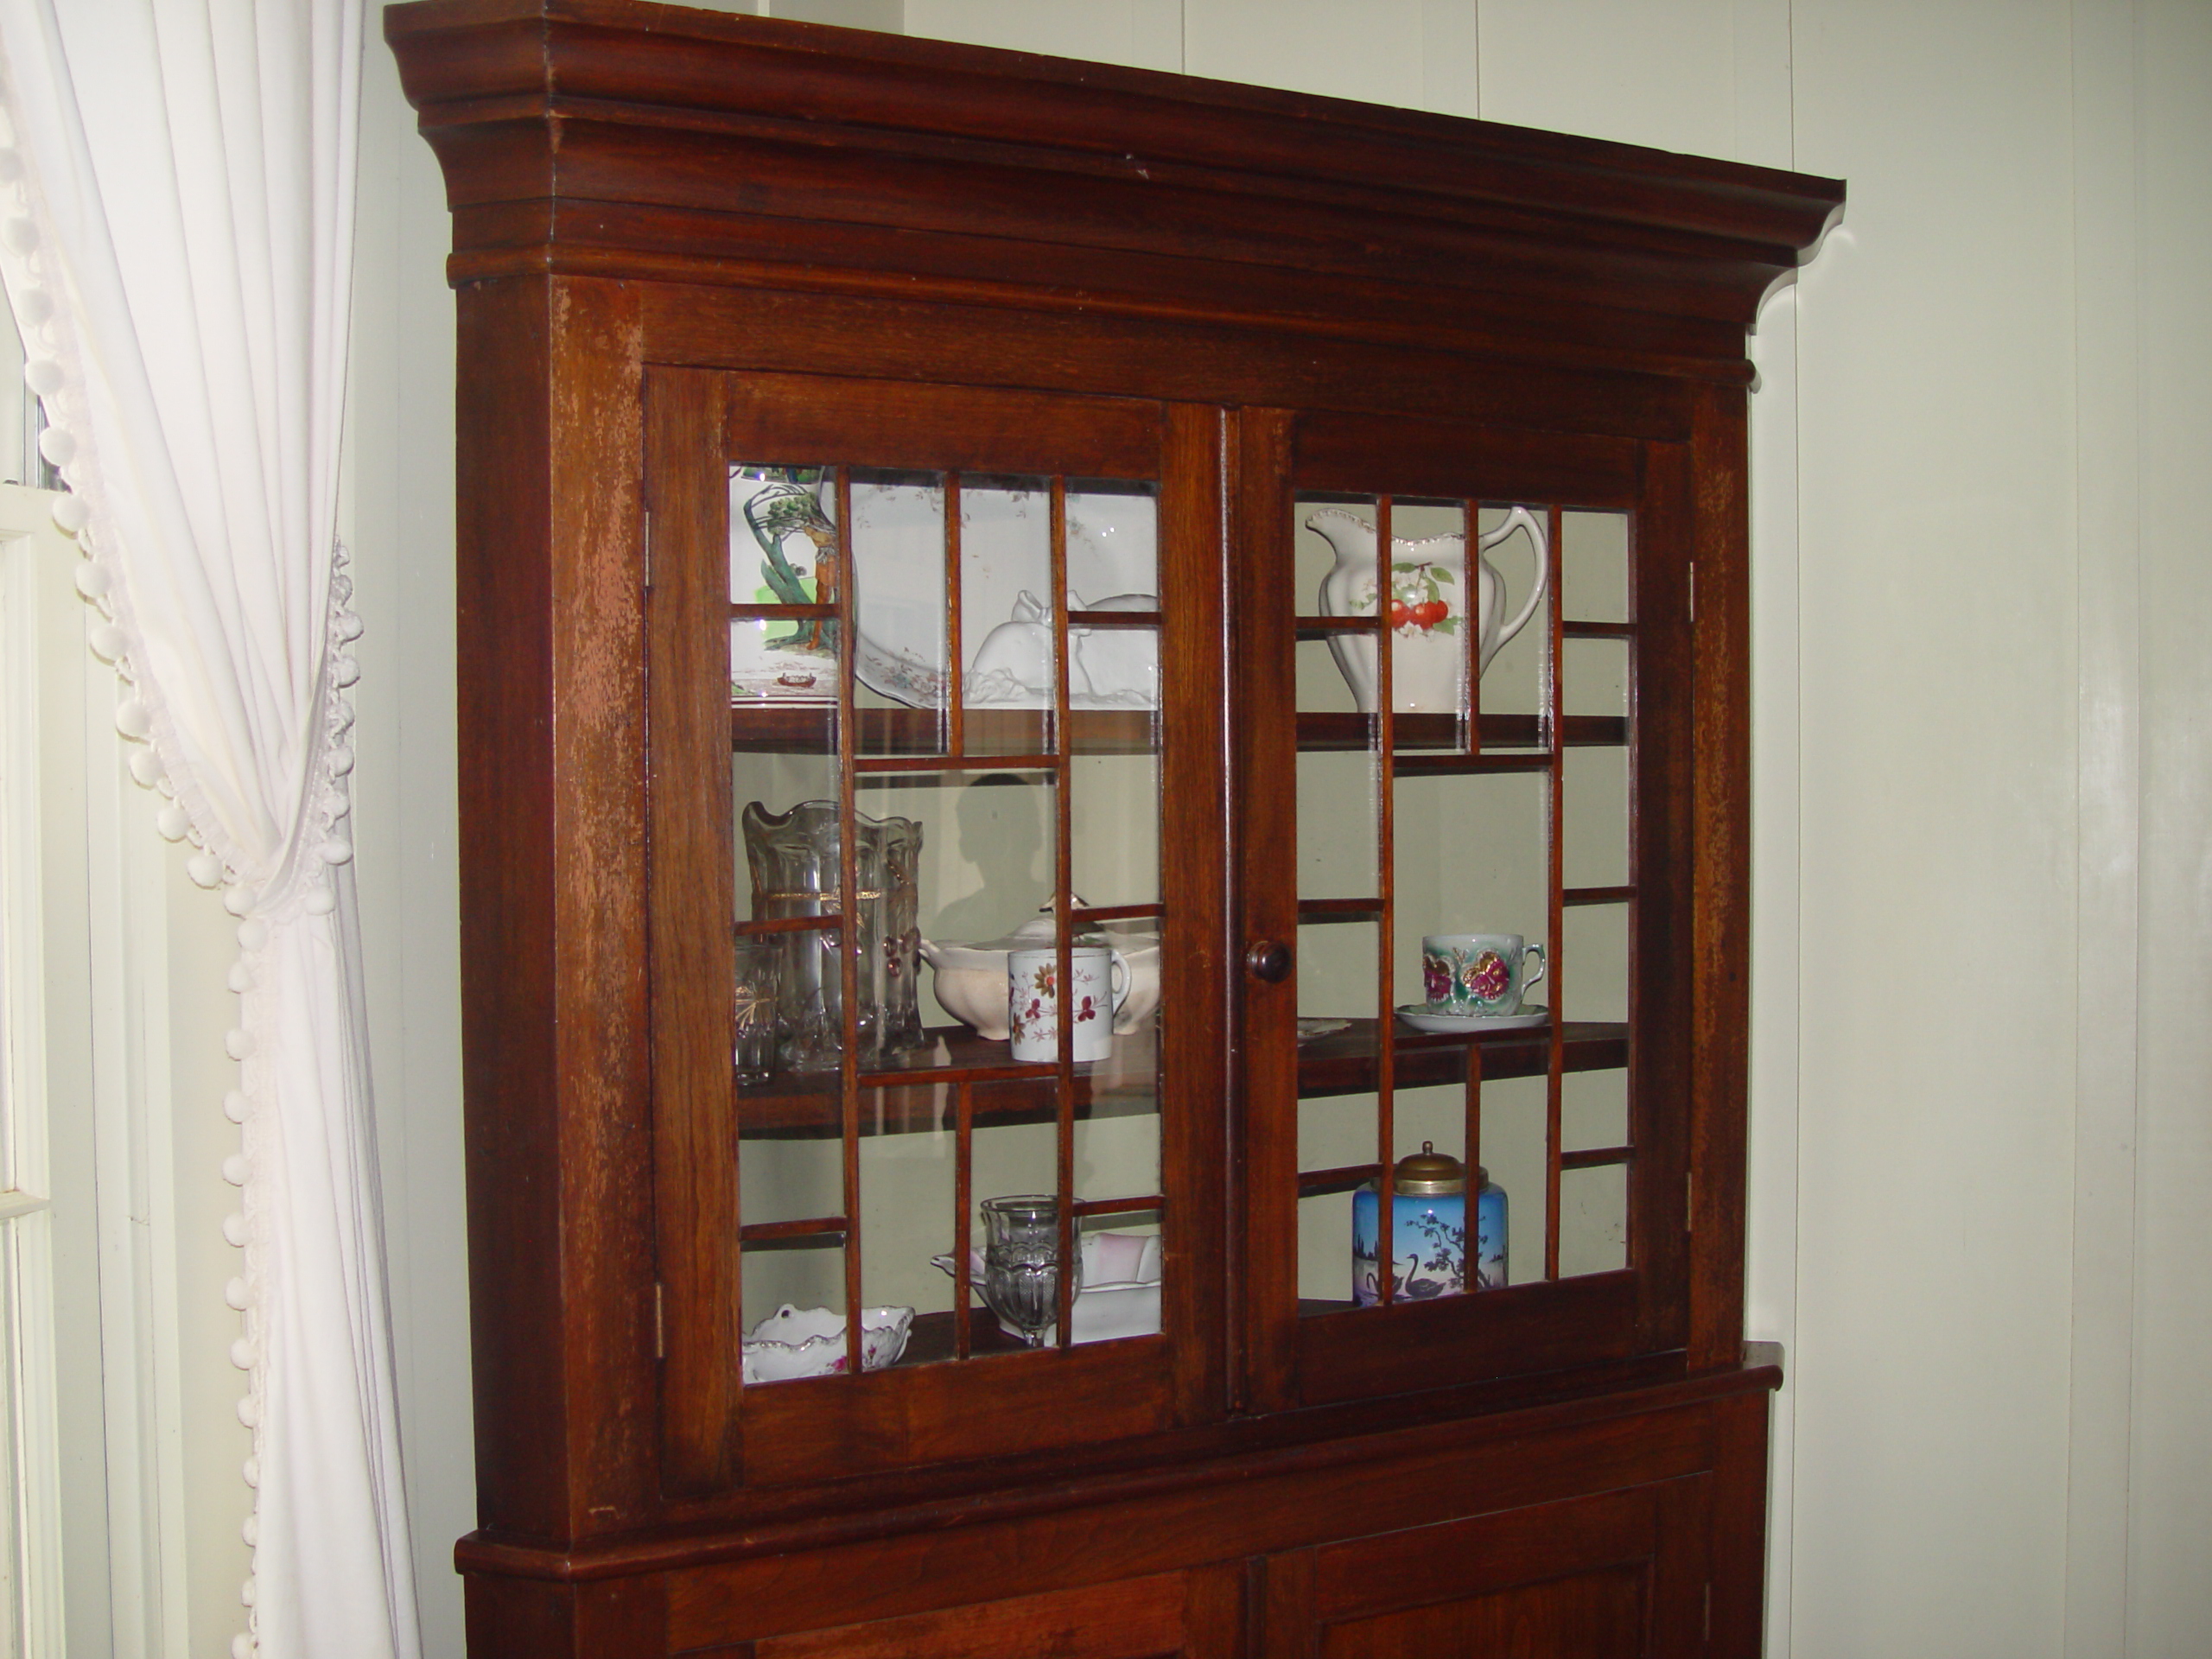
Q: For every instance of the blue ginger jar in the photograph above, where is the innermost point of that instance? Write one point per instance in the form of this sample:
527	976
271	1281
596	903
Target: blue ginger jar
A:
1429	1245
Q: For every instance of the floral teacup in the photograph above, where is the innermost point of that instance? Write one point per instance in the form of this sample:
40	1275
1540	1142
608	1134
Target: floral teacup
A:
1098	978
1478	973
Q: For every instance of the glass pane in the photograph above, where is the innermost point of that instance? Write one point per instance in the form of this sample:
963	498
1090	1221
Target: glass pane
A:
1594	1110
960	609
1515	622
1515	1159
1473	873
785	551
907	1169
1594	566
1114	565
1016	1156
1007	615
1592	1220
1114	823
1594	962
1594	677
1594	821
793	1304
1337	971
1334	1133
899	588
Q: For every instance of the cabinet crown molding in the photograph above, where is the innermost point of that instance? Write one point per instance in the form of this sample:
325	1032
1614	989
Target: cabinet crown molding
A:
608	137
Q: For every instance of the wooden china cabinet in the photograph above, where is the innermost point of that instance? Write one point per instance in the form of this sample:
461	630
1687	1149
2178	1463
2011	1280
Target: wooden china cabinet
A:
911	491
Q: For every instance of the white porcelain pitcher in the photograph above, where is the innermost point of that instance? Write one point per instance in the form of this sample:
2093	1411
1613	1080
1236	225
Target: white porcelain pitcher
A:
1427	579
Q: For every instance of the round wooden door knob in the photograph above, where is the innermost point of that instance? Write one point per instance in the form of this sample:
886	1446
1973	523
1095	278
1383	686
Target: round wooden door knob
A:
1269	961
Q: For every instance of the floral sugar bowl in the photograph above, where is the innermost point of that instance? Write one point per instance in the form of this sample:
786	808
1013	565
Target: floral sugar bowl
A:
1429	1242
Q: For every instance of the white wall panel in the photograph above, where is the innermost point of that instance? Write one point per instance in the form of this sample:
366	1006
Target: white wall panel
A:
1938	766
397	517
2169	1590
1371	51
1144	34
1645	71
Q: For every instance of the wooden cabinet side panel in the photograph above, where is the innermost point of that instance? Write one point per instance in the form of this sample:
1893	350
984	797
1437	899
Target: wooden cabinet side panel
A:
691	901
511	1126
551	705
1720	1020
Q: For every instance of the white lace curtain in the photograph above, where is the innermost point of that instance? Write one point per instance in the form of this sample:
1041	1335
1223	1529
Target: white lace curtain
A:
176	219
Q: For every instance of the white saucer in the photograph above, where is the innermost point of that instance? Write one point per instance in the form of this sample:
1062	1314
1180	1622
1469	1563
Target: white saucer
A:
1464	1025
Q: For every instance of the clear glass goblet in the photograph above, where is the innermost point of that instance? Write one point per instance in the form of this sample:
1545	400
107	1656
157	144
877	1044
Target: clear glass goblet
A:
1022	1263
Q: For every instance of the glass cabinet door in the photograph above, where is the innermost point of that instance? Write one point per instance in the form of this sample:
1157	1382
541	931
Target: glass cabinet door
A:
931	846
1467	1104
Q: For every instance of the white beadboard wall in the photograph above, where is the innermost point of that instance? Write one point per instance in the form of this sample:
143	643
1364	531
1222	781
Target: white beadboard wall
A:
1981	1069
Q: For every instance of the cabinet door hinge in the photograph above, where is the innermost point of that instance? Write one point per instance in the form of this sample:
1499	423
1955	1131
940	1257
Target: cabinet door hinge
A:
1689	1200
1692	589
648	547
660	1331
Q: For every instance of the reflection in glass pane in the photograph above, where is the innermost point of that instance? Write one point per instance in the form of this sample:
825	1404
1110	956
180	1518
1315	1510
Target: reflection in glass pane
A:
986	869
1114	821
1595	822
1113	560
899	593
1592	1220
1006	613
1593	566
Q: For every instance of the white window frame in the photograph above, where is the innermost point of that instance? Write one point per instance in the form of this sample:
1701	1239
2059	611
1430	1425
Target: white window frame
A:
95	1555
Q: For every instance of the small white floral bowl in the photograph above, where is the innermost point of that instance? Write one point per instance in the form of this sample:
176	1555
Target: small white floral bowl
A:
794	1342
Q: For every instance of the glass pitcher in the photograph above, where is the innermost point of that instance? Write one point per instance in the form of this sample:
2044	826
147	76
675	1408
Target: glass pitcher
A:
793	859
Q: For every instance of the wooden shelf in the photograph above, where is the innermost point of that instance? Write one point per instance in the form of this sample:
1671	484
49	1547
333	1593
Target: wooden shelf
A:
806	1105
1418	731
811	728
1342	1063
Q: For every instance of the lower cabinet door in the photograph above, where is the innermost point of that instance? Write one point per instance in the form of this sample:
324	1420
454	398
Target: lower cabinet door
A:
1617	1576
1194	1615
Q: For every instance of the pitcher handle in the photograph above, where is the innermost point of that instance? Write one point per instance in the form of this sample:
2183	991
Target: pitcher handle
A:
1117	979
1515	521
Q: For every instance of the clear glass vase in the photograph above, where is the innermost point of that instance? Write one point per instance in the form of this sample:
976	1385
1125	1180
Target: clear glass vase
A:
793	858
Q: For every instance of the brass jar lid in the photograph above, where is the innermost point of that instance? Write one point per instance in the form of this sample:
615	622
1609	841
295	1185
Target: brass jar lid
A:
1429	1173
